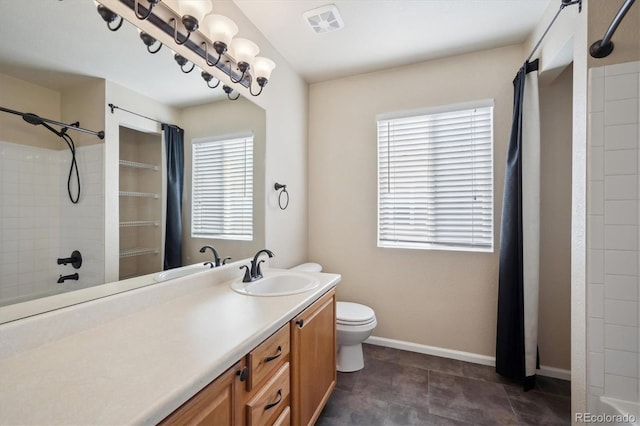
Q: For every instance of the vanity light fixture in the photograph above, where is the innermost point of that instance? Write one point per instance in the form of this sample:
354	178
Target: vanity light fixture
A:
182	61
192	12
228	91
212	39
221	31
109	17
208	77
136	9
149	41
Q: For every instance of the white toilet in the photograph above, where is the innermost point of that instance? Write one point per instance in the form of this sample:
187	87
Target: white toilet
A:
354	324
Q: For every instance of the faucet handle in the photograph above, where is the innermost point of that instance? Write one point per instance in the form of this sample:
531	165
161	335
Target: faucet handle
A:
224	261
247	274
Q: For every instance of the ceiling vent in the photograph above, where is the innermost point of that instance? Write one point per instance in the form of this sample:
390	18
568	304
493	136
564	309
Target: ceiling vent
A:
324	19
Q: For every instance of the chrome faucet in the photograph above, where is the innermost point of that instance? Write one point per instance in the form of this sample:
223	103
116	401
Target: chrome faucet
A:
254	273
216	257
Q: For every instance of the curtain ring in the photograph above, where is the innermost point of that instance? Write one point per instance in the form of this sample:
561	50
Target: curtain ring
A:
278	187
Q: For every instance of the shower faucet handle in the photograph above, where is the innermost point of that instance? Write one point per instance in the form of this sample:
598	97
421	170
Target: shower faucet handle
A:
75	260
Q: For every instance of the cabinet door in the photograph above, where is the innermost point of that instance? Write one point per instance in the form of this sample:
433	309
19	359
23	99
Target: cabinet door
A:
218	404
313	361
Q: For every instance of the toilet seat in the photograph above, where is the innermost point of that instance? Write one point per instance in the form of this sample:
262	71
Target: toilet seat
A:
353	314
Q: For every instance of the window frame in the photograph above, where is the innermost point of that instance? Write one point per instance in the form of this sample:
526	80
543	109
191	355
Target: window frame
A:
434	245
222	139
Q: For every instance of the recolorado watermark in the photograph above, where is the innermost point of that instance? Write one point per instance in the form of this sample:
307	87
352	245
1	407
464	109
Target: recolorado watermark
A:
605	418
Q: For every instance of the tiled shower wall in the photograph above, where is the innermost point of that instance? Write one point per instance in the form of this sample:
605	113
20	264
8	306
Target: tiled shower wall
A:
38	223
613	324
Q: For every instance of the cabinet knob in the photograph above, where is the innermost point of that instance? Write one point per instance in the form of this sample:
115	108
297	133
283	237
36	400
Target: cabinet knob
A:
300	323
243	374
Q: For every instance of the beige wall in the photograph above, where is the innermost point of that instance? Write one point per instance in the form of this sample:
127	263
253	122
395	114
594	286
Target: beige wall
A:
439	298
85	103
23	96
218	119
625	39
554	333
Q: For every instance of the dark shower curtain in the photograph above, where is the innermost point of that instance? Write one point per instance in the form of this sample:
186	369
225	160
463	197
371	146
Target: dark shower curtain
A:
516	345
174	143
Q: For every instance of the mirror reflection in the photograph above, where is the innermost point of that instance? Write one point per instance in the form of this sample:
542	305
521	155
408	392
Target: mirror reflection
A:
119	224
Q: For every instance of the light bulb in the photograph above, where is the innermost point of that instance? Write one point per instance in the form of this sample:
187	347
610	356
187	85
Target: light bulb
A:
195	8
220	29
262	67
243	50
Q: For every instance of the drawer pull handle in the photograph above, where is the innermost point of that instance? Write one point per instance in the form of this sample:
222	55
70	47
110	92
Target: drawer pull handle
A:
243	374
276	356
273	404
300	323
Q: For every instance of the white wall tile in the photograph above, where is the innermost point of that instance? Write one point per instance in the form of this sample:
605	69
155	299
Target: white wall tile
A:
624	136
621	212
595	266
620	86
596	368
595	232
622	363
621	237
623	187
621	112
620	387
596	169
621	312
624	68
595	301
596	95
621	287
596	129
620	262
595	334
621	162
595	197
621	337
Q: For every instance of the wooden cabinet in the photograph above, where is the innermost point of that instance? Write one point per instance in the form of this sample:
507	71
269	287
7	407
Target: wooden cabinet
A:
286	380
217	404
313	359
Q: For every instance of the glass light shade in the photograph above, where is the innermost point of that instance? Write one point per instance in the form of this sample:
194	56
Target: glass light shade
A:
243	50
220	28
262	67
195	8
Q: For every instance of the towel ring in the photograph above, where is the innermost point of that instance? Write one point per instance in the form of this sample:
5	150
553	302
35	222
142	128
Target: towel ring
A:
284	191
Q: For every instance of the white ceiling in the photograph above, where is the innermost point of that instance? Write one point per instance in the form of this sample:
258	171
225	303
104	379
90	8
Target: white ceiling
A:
58	43
380	34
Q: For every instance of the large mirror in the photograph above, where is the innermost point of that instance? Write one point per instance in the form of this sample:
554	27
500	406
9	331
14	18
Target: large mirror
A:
60	61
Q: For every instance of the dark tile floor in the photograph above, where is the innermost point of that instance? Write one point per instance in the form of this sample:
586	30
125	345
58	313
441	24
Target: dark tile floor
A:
405	388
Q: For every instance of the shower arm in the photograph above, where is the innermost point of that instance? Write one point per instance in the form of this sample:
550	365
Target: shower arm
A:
604	47
35	120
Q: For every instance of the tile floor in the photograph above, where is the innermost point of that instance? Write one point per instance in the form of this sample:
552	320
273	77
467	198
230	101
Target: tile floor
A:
405	388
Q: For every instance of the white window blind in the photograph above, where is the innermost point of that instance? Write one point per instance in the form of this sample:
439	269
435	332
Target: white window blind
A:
435	180
222	188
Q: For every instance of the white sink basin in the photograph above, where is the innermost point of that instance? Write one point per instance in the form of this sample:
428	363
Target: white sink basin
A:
181	272
277	284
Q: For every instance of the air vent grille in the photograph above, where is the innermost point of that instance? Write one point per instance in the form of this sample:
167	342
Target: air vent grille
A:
324	19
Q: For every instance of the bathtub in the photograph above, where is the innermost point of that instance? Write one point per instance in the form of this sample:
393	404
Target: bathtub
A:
618	412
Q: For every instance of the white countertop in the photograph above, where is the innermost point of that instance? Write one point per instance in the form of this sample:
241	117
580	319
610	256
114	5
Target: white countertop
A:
139	367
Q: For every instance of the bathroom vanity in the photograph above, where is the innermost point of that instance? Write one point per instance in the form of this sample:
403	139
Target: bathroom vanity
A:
188	350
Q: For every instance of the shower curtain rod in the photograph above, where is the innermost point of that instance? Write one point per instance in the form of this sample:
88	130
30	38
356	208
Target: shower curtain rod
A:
35	120
114	107
604	47
564	4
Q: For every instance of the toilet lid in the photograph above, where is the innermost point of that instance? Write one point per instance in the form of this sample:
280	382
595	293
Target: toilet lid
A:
353	313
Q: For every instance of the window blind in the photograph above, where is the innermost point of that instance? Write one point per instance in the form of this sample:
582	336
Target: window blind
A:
222	188
435	180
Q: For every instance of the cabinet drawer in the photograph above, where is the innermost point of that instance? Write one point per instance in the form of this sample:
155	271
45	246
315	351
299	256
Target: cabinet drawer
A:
266	358
284	419
263	408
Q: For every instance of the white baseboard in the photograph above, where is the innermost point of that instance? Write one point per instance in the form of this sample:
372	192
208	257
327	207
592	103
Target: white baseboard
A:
557	373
